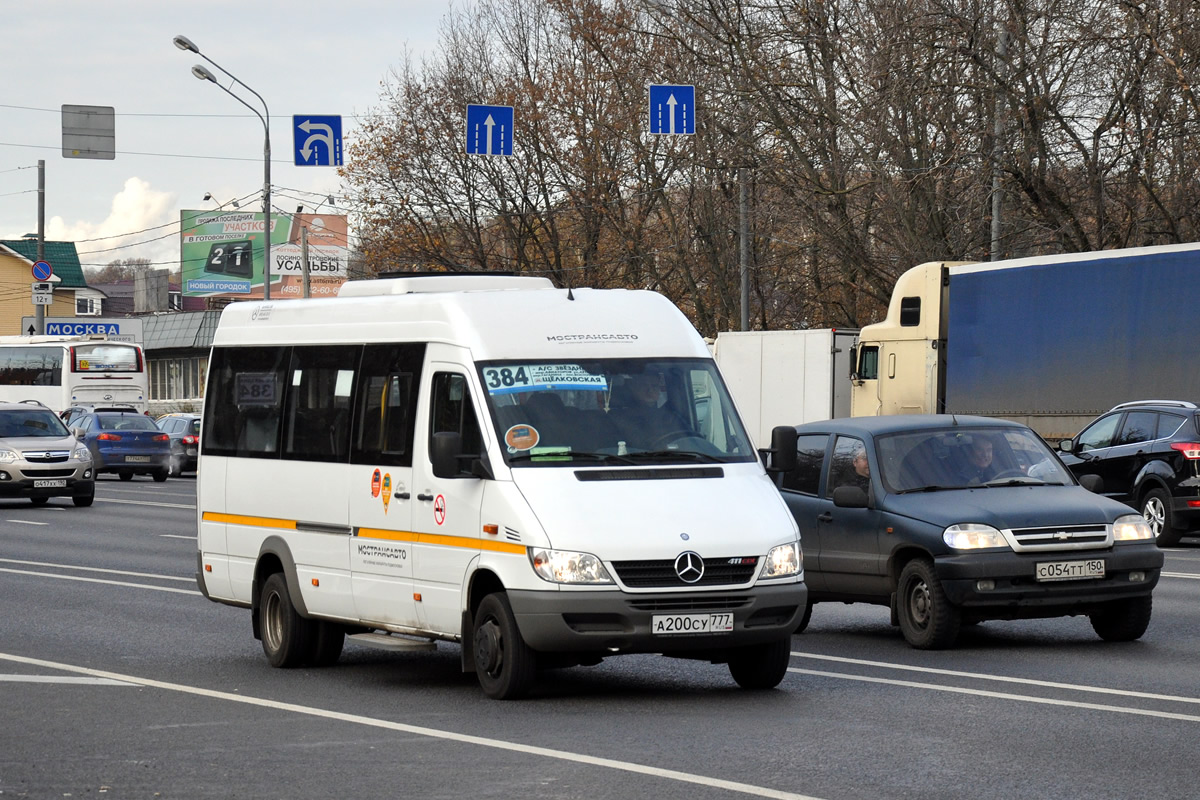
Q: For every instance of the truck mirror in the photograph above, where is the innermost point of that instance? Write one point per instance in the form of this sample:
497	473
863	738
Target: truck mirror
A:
783	449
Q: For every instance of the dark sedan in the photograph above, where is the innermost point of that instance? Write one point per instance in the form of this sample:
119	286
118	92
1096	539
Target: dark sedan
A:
955	519
127	443
184	430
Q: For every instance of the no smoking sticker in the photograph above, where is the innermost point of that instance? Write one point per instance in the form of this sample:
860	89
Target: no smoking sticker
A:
439	509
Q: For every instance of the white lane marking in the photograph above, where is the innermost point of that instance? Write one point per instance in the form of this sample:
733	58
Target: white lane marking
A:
145	503
64	679
26	522
433	733
95	569
1024	698
983	676
99	580
174	536
1189	575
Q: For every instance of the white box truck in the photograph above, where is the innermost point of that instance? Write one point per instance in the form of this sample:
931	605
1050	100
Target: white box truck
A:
786	377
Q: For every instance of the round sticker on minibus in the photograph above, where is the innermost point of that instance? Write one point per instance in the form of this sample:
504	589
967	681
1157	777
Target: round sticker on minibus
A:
521	437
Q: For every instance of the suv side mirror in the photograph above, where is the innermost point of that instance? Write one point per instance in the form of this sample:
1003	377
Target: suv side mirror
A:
1066	446
783	449
1093	483
849	497
78	433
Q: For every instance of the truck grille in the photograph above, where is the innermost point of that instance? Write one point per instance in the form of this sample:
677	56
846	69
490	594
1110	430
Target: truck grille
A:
1061	537
722	571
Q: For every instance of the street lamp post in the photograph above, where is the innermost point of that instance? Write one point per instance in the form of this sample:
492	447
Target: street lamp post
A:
202	73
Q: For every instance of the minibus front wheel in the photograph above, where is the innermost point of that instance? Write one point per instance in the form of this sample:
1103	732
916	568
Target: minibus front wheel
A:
504	663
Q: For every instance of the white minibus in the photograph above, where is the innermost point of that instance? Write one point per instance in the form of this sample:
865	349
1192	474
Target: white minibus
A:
543	476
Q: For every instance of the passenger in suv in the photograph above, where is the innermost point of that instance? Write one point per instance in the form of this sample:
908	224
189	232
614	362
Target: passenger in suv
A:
1147	453
40	459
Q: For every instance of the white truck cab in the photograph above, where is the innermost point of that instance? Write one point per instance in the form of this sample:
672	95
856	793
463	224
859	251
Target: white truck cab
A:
544	476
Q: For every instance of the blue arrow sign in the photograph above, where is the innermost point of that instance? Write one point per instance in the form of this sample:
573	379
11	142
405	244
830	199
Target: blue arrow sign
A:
672	110
42	271
317	140
490	130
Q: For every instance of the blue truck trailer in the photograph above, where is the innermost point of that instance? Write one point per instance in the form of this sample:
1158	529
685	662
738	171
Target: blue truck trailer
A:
1050	341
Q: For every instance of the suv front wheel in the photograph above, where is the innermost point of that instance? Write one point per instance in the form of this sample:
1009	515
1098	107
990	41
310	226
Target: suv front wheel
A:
1156	508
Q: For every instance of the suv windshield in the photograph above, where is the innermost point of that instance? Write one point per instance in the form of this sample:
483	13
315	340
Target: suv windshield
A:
31	423
619	411
961	457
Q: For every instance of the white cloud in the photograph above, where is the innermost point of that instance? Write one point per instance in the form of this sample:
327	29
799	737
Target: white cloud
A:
142	223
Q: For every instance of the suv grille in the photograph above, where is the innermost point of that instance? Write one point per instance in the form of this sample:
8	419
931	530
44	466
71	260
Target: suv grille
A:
1061	537
717	572
48	473
45	456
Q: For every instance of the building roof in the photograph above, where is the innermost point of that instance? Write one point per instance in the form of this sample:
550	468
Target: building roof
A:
181	330
61	256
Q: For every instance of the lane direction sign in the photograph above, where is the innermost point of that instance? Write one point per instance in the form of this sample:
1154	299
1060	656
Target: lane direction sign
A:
672	110
489	130
317	140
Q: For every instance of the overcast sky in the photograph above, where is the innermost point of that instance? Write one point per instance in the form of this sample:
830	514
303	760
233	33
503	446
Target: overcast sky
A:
178	137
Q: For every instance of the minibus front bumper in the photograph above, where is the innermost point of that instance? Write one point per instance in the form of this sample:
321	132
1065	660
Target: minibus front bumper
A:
621	622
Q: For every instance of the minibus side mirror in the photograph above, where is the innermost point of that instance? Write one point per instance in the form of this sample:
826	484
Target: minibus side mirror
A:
783	449
448	458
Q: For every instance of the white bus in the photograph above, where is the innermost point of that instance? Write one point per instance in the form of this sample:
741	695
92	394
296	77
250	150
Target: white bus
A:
544	477
64	371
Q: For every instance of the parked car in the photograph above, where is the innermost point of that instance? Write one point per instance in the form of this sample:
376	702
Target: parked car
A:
40	458
1148	455
127	443
184	430
951	520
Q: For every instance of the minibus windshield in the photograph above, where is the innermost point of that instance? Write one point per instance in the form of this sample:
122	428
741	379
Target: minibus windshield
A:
613	412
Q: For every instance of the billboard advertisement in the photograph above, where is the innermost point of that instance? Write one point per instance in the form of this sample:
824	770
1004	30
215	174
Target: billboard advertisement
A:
221	253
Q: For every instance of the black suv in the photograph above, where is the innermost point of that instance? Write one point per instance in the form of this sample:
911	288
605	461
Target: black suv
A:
1148	456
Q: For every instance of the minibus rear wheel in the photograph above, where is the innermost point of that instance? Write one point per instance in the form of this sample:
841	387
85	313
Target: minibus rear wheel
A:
504	664
287	638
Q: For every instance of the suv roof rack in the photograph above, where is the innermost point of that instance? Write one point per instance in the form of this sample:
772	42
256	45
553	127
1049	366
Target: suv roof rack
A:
1173	403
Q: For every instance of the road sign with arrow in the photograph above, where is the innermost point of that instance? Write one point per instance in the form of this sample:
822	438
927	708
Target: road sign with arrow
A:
672	110
317	140
489	130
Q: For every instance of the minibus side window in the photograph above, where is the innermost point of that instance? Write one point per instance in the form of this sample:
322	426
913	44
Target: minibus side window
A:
386	399
243	402
452	411
317	413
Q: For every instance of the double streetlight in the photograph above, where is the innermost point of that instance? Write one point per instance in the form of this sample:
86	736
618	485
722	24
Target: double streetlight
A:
204	74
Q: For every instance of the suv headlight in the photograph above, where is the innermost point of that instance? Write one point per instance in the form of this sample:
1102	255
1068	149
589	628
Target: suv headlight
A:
9	457
82	454
564	566
973	536
1131	528
783	560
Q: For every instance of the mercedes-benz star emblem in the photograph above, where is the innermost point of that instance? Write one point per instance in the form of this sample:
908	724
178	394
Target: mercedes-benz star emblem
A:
689	567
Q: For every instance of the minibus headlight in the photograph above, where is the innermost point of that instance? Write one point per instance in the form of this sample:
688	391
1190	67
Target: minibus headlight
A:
1131	528
8	457
564	566
973	536
784	560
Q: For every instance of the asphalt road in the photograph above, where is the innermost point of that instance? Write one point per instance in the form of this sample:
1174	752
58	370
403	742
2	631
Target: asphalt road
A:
118	679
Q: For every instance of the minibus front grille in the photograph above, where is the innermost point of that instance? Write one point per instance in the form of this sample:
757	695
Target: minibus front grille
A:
722	571
684	603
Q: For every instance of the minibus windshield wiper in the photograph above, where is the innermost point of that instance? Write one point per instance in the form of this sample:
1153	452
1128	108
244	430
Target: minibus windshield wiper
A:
690	455
569	455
